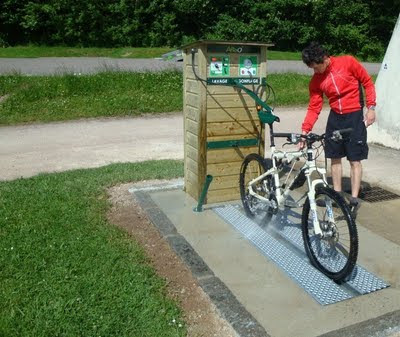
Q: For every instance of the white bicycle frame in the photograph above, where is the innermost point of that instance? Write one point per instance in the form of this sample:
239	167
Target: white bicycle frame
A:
281	194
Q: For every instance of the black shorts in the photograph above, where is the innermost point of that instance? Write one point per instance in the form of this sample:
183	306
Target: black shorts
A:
353	146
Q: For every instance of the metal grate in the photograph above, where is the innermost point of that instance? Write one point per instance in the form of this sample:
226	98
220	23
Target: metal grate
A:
296	265
377	194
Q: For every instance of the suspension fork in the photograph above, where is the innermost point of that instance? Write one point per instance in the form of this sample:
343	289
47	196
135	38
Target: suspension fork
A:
312	187
328	201
313	206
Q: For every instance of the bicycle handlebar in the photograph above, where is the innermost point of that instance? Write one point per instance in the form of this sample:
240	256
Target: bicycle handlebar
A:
294	138
337	135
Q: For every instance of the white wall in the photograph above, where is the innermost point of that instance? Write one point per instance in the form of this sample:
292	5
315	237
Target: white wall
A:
386	130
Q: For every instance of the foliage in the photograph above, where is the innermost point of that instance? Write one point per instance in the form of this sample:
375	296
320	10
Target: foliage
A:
360	27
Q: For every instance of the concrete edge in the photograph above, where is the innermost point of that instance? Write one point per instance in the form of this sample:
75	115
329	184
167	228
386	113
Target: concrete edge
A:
382	326
230	309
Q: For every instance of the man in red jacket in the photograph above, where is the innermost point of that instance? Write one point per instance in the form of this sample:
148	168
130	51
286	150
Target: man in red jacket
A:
340	79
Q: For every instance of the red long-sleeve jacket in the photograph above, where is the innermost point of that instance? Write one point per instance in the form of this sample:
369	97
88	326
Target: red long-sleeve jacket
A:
340	82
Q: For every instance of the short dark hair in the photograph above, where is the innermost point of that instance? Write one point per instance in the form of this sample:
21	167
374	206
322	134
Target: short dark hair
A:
314	53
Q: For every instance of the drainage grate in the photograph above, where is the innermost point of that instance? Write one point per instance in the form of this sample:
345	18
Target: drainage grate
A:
296	265
377	194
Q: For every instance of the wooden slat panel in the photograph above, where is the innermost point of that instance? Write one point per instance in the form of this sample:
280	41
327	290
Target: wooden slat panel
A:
192	165
190	74
230	101
202	129
221	89
192	140
223	195
232	128
192	126
192	113
224	182
192	86
191	190
192	99
229	155
184	113
192	152
213	90
191	77
233	114
224	169
230	137
188	58
191	177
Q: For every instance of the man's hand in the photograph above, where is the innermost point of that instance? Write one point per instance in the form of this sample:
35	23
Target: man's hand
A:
369	117
302	142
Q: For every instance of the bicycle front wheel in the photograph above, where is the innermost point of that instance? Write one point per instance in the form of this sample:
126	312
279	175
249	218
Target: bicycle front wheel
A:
334	252
254	166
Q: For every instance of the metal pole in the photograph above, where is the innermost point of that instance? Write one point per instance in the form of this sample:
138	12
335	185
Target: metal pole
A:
199	207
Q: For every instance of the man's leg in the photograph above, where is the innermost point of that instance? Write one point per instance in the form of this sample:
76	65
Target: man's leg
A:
336	170
355	177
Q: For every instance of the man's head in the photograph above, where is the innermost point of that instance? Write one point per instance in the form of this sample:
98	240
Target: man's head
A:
316	57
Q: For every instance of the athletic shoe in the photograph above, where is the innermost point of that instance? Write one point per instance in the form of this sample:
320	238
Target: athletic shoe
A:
354	206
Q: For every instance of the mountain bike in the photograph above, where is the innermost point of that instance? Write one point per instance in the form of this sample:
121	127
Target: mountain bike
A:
328	229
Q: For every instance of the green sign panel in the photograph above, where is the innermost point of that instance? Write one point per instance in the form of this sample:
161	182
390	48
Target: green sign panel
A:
234	80
248	65
219	66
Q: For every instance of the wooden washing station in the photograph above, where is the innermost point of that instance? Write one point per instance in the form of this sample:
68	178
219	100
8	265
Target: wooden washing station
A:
221	125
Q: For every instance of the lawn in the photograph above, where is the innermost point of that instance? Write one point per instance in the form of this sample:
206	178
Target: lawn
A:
65	271
28	99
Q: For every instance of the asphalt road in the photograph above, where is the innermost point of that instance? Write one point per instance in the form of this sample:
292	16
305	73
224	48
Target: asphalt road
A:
88	65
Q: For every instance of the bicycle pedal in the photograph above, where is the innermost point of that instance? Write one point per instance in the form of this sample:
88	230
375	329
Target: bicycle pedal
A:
291	204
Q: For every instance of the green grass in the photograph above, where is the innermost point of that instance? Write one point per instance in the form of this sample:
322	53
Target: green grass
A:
68	97
290	89
283	55
65	271
43	51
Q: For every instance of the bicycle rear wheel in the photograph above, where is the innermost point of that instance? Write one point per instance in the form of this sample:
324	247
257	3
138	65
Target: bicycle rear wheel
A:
335	251
252	167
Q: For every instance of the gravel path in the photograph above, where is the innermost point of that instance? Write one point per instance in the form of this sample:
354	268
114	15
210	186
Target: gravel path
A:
31	149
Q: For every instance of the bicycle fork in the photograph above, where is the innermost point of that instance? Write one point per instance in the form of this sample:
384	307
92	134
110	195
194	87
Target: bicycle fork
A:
312	186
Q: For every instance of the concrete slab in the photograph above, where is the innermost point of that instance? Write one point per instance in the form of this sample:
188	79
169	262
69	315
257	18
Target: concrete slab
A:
275	305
